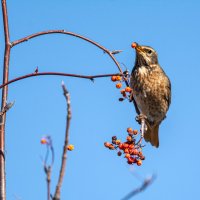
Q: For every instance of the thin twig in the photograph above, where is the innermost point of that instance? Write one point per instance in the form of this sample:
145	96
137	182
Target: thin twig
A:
147	182
91	77
48	167
48	179
64	155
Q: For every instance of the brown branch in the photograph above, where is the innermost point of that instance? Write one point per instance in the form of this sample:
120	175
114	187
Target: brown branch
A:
64	155
48	167
47	170
57	74
16	42
48	179
4	99
146	183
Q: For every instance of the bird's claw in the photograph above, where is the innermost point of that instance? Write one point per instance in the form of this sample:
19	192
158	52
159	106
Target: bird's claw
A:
140	117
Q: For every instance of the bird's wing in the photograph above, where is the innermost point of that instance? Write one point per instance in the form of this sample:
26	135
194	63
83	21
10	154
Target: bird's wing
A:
167	93
136	107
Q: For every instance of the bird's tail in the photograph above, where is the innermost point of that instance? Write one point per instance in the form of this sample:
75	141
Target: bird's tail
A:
151	135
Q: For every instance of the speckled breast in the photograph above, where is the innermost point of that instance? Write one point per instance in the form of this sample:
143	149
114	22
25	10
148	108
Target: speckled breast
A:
149	93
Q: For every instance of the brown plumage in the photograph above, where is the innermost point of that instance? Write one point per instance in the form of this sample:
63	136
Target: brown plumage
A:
151	90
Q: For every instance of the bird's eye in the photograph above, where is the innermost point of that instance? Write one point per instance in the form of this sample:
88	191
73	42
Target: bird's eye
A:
149	51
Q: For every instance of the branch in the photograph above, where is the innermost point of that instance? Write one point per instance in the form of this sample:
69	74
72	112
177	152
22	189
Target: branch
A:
110	53
48	167
3	100
64	155
5	22
57	74
48	179
146	183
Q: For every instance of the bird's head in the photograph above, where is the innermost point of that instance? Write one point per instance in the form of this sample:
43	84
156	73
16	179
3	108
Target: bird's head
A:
145	55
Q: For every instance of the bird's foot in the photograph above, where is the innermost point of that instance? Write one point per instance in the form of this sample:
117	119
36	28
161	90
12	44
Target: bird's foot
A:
140	117
142	120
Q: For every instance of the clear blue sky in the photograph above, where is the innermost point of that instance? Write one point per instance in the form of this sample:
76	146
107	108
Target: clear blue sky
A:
93	172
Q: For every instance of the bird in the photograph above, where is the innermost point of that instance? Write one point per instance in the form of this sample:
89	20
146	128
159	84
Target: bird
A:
151	91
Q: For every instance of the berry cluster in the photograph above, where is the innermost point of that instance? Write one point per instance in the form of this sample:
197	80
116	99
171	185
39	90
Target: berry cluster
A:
124	92
131	148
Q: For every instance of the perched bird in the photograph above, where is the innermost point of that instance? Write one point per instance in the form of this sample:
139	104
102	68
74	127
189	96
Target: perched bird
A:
151	90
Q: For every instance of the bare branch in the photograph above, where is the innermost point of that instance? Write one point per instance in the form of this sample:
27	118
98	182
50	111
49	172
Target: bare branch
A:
5	22
48	167
4	99
57	74
16	42
147	182
64	155
48	178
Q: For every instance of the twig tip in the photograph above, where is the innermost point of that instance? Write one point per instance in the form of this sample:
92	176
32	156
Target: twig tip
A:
62	83
116	52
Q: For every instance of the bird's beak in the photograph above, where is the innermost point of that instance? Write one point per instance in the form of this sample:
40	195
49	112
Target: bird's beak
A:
139	49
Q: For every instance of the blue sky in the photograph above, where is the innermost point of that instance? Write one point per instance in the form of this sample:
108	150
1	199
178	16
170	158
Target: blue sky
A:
93	172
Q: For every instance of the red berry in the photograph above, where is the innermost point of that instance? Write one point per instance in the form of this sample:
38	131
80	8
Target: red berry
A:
121	99
117	142
134	45
114	137
114	78
126	150
43	141
127	155
129	138
135	132
140	154
122	91
121	146
111	147
142	157
139	162
131	146
70	147
106	144
118	85
128	89
129	130
125	145
119	153
135	152
118	78
130	160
